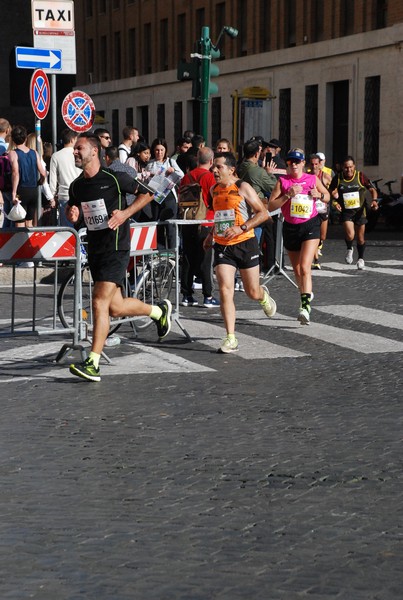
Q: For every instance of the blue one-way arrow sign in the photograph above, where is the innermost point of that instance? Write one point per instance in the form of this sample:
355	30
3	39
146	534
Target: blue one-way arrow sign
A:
38	58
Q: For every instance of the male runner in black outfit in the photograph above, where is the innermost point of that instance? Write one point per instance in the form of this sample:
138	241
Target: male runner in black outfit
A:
101	196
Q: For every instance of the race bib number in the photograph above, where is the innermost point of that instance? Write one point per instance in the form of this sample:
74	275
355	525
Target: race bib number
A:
301	206
223	220
351	200
95	214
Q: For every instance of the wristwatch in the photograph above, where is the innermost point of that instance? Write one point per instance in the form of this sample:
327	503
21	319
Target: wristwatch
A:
244	227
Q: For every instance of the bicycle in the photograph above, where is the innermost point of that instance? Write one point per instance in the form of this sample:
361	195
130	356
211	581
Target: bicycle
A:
149	278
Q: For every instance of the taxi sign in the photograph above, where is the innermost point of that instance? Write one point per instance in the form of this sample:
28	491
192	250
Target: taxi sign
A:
40	93
78	111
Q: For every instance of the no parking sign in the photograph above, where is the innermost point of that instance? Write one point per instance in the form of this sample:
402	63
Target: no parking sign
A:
40	93
78	111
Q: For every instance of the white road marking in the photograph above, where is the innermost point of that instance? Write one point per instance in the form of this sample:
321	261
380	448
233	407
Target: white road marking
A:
365	343
353	267
250	347
364	314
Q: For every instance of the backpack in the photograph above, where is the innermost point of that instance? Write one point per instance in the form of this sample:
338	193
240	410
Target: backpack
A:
5	173
191	205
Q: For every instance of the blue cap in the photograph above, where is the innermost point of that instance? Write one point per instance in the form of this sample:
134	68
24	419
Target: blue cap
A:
295	154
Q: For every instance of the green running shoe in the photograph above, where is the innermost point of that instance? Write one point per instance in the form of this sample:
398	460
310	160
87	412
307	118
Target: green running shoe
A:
165	321
86	370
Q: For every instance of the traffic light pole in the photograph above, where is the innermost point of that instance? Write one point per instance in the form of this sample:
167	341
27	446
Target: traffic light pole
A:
204	80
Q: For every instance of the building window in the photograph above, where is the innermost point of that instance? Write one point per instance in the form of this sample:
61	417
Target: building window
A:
132	52
102	7
220	16
317	20
346	17
284	125
115	126
200	20
103	57
116	4
181	36
265	25
161	120
215	119
290	23
147	49
117	55
143	120
129	116
88	8
163	41
311	119
178	120
243	12
90	60
380	14
371	120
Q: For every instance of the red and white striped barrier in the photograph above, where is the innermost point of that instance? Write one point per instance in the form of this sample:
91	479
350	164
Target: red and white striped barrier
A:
143	238
26	246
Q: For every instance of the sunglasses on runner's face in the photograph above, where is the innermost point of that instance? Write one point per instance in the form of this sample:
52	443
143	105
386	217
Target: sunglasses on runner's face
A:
291	161
106	137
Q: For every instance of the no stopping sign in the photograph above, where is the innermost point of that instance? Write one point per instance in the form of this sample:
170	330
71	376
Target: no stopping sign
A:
78	111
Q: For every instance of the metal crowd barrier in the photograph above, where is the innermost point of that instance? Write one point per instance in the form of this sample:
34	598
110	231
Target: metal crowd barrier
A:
51	245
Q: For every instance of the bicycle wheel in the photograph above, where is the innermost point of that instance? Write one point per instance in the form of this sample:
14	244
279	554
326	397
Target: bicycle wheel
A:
153	285
65	300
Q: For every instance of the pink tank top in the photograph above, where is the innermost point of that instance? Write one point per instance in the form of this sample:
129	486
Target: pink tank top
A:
302	207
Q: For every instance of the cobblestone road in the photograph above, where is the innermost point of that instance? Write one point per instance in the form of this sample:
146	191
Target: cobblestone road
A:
250	479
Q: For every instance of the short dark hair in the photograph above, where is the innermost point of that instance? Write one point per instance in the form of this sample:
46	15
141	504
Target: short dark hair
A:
127	131
112	152
93	140
100	131
19	134
348	158
197	140
67	135
229	158
250	148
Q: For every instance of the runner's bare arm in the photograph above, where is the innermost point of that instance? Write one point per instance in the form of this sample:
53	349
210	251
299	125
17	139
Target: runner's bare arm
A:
118	217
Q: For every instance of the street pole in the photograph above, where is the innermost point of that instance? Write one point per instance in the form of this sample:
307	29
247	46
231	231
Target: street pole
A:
204	80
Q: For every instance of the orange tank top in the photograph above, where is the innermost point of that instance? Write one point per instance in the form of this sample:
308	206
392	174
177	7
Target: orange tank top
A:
230	208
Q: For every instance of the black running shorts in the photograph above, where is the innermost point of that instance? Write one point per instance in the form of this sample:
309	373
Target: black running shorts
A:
244	255
295	234
110	267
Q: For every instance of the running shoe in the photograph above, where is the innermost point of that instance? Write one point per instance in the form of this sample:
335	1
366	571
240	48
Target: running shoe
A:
268	304
320	248
189	301
349	256
86	370
360	264
316	266
304	316
165	321
228	345
210	302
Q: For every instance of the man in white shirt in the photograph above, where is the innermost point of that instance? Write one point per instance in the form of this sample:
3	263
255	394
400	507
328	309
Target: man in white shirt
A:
130	138
62	172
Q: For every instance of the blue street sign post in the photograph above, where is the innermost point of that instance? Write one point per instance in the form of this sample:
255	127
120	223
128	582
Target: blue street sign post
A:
38	58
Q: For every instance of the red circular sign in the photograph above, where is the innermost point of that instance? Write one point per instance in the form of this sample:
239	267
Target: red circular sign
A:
40	93
78	111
